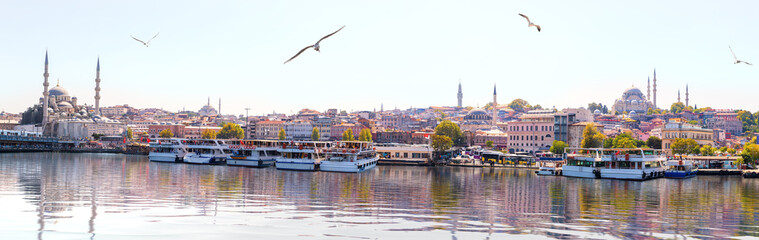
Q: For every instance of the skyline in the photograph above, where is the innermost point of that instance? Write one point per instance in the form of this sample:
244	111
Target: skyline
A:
234	51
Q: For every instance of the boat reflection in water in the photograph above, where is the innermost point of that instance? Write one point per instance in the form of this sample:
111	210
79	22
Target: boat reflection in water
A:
76	196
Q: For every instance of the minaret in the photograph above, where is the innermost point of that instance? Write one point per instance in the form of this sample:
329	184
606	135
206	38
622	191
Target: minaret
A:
648	94
45	95
686	95
495	104
655	106
219	111
460	95
209	101
97	88
678	95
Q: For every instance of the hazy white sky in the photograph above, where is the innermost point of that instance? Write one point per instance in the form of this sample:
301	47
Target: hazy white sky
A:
400	53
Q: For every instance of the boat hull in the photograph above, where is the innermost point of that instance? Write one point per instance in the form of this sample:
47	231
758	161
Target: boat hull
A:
580	172
285	164
352	167
549	172
679	174
159	157
631	174
250	162
203	159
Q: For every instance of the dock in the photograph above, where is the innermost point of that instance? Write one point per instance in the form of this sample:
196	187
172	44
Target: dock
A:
719	172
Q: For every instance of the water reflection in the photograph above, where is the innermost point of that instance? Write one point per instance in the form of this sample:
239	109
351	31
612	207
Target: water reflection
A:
51	195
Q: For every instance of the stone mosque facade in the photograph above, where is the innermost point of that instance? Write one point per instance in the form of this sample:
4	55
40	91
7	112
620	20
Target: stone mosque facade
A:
632	101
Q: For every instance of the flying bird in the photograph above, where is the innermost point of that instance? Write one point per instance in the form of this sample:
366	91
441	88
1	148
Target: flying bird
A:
144	42
737	61
315	46
530	24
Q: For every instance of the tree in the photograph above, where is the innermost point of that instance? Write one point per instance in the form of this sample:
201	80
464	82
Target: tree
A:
441	143
519	105
451	130
166	133
654	142
685	146
731	151
282	134
592	107
315	134
693	122
557	147
537	106
208	134
707	150
231	131
750	153
591	137
677	107
489	143
129	134
608	143
348	135
723	150
624	140
365	135
97	136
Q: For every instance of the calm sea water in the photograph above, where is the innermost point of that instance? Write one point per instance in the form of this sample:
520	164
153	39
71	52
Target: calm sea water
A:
105	196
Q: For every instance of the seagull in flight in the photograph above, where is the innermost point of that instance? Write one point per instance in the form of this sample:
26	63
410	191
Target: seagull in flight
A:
530	24
315	46
737	61
144	42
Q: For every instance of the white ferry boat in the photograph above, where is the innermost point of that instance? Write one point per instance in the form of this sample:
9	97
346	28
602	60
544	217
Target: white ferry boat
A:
206	151
167	150
404	154
253	153
627	163
680	169
301	155
549	164
349	156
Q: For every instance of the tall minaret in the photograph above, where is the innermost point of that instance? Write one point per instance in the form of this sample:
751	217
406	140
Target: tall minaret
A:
648	94
495	104
678	95
45	95
655	106
686	95
219	111
460	95
97	88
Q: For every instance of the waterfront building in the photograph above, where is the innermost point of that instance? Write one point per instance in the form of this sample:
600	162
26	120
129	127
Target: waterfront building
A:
532	133
394	136
500	139
726	120
324	125
678	128
298	130
176	129
268	129
575	130
567	117
632	101
339	129
79	128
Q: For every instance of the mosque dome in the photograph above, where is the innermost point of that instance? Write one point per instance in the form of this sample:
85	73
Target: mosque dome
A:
633	91
634	102
477	114
64	105
597	112
632	113
58	91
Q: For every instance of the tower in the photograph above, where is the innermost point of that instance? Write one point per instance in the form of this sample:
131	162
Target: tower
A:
219	111
495	104
648	93
678	95
655	106
97	88
45	95
686	95
460	95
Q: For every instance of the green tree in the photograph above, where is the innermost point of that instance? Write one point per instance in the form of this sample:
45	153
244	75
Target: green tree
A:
348	135
685	146
731	151
591	137
608	143
519	105
208	134
723	150
129	134
315	134
282	134
365	135
231	131
166	133
489	144
440	143
557	147
451	130
624	140
707	150
750	153
654	142
97	136
677	107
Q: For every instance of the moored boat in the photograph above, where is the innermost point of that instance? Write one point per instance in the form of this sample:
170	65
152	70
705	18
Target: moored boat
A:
349	156
206	151
680	169
404	154
167	150
253	153
301	155
614	163
548	164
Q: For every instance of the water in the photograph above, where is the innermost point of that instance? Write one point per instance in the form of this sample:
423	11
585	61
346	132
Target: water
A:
108	196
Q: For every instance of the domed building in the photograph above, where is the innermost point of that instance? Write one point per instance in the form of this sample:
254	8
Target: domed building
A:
60	101
632	100
476	119
208	110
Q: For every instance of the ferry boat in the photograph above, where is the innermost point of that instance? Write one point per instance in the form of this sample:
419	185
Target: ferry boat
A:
349	156
404	154
549	164
206	151
680	169
301	155
253	153
627	163
167	150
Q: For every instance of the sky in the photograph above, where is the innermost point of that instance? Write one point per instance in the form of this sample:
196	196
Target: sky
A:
399	54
